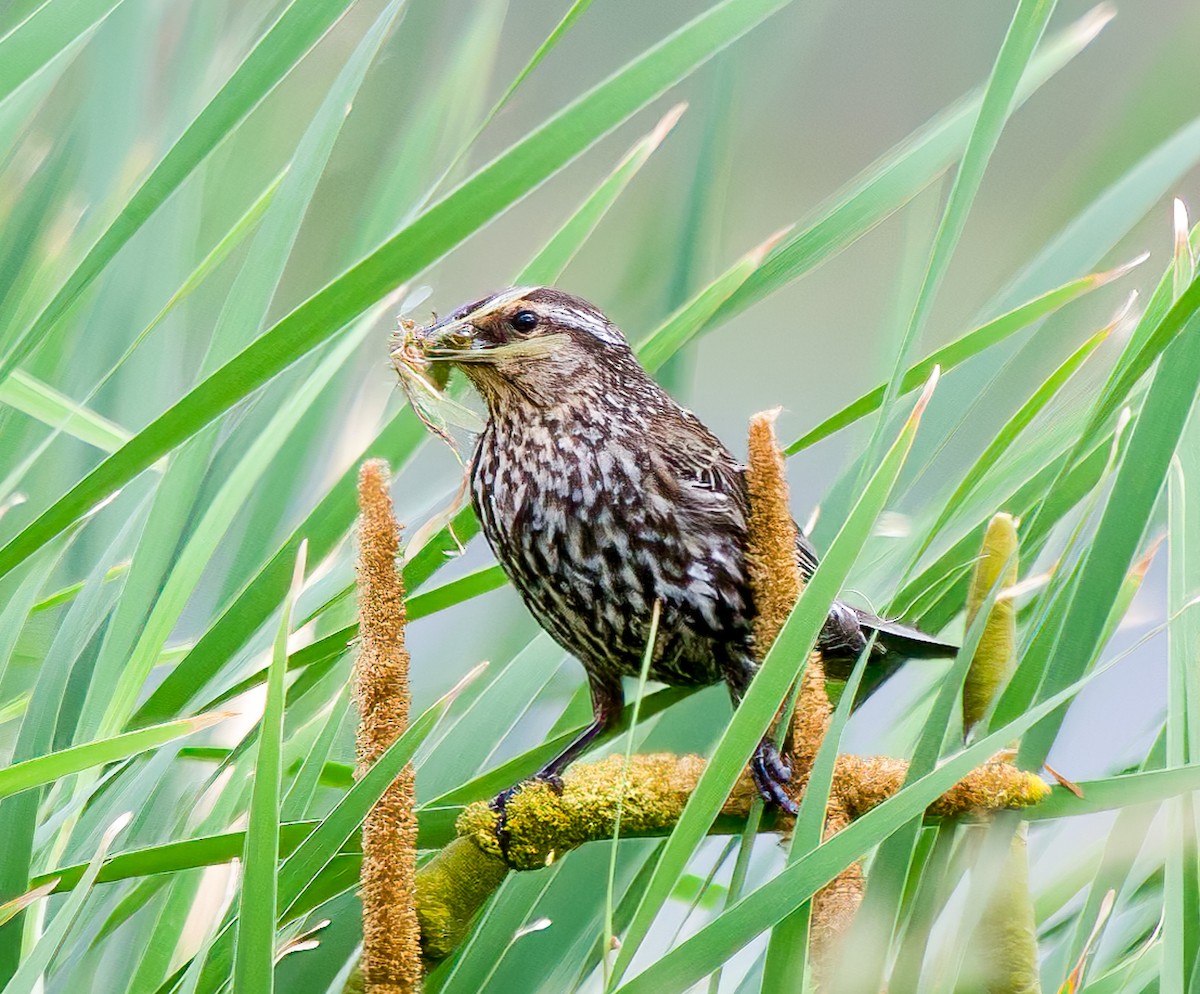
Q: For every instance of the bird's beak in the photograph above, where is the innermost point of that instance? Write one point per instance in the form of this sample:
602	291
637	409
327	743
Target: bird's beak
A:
448	340
452	339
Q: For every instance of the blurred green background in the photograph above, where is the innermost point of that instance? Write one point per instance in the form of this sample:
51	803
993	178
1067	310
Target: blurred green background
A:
774	126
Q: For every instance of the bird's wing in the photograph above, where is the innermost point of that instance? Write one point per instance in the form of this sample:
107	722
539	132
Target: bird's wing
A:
709	483
806	553
713	483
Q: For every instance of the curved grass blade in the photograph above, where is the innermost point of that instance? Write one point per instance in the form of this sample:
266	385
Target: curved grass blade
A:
434	233
1095	230
569	18
1114	793
54	766
687	322
900	174
1013	428
547	266
215	256
780	670
18	904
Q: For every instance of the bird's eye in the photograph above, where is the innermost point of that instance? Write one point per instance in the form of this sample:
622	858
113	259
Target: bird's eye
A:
523	321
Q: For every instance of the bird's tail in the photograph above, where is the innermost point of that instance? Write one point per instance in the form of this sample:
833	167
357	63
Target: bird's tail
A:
903	640
846	633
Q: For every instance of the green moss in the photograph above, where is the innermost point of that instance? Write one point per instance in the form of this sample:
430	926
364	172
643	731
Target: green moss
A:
451	888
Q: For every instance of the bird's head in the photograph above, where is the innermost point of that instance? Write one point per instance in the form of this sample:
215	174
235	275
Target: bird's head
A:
534	343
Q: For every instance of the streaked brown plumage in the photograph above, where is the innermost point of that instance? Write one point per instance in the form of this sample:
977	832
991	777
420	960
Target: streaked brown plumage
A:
600	495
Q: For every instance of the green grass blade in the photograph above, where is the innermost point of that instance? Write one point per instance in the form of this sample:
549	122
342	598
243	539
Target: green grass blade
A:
1024	33
611	881
1156	434
49	31
281	47
65	421
561	28
787	949
1011	431
547	266
1114	793
1093	232
879	915
779	671
323	527
331	832
897	177
171	857
54	766
309	777
1181	921
121	694
254	959
488	784
971	344
40	400
681	327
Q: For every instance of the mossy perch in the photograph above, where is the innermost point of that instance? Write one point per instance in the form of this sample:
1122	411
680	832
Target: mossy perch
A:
543	825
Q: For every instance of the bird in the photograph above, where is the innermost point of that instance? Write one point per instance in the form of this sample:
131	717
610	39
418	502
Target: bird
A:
602	497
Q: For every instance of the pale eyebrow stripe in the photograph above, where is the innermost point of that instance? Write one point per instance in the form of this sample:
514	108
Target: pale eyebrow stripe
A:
503	299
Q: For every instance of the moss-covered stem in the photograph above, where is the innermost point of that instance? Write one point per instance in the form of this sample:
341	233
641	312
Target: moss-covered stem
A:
544	825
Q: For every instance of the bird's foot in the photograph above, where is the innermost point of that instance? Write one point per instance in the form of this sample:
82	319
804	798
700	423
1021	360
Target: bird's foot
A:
499	804
770	772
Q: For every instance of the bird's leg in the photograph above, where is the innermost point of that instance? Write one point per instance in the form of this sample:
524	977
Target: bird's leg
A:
768	769
607	701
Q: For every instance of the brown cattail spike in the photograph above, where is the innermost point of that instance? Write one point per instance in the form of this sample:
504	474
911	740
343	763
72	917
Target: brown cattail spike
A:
771	555
391	962
777	582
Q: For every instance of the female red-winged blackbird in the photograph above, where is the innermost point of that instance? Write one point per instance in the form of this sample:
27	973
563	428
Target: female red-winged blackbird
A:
600	495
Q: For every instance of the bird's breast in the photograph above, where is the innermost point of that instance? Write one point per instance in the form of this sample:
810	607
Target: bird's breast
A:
585	527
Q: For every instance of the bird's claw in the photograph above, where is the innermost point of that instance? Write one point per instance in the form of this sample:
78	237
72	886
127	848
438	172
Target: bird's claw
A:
499	804
770	772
